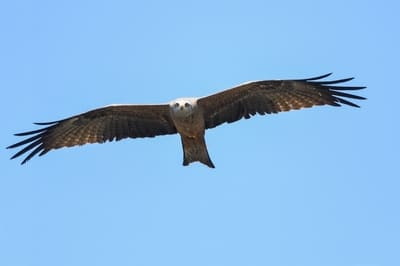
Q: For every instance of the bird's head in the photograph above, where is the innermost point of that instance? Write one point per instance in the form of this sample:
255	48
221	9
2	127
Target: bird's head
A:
183	106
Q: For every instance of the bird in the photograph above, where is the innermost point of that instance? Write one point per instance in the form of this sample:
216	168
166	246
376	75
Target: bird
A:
189	117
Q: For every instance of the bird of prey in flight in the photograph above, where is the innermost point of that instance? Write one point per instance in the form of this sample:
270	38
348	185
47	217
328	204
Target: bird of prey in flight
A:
189	117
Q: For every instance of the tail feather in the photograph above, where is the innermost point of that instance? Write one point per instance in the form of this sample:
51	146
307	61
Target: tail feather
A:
195	150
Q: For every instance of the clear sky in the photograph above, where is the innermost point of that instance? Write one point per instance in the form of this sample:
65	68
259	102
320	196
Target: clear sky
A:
311	187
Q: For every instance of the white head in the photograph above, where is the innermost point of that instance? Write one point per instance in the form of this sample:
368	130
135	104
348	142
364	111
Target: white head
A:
183	106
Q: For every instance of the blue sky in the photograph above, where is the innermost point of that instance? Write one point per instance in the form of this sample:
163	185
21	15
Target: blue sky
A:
310	187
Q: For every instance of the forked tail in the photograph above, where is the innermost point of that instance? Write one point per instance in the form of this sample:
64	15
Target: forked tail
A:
195	149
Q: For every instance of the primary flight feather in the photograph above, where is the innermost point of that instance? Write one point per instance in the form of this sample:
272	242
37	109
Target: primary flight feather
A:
189	117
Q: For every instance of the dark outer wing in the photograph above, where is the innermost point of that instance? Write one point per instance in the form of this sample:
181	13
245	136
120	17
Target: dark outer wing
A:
109	123
273	96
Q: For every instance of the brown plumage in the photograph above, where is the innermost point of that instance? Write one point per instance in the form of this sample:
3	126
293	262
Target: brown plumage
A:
189	117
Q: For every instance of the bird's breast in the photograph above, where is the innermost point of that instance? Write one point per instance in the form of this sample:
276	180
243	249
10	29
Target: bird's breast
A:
191	125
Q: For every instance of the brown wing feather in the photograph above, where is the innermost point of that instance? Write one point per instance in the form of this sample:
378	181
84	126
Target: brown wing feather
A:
97	126
273	96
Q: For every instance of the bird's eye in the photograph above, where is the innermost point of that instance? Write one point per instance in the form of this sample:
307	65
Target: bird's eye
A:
176	104
187	104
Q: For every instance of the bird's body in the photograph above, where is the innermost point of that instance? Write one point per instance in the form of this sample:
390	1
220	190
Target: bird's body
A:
190	117
189	121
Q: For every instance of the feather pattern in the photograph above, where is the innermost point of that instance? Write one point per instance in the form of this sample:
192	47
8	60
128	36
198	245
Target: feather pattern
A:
97	126
273	96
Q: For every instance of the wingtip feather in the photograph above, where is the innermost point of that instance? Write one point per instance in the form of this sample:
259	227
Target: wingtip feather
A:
318	77
45	123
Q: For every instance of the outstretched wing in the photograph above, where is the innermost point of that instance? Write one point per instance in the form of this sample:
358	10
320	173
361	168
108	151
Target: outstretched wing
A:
109	123
273	96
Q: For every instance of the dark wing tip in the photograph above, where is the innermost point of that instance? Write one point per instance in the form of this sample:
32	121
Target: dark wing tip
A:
334	90
316	78
34	143
47	123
